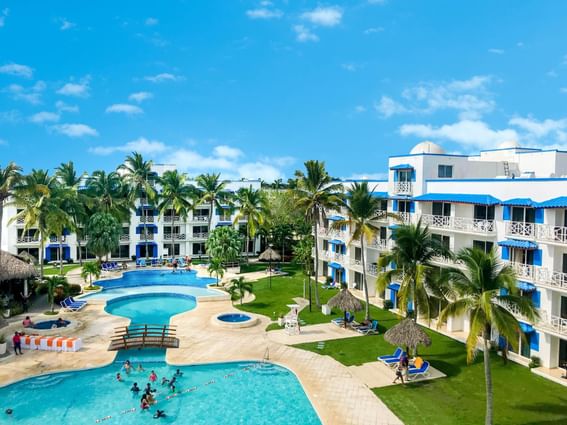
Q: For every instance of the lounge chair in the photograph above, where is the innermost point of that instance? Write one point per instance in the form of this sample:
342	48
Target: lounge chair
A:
67	304
397	354
392	361
368	330
340	321
74	301
141	262
417	372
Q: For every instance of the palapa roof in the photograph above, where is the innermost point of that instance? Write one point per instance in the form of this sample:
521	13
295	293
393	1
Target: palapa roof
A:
407	333
12	267
345	301
270	255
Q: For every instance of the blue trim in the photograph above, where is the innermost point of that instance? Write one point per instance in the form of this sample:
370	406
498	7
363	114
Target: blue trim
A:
458	198
56	245
520	202
526	328
402	167
336	242
412	207
394	287
335	266
525	286
140	227
505	253
516	243
537	257
506	213
380	194
534	341
539	215
559	202
394	298
536	299
395	205
335	218
224	223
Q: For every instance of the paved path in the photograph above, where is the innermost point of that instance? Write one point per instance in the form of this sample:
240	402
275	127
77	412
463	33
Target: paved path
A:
377	374
312	333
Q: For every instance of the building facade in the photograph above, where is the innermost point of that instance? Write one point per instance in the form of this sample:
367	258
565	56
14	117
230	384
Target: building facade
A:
512	199
148	233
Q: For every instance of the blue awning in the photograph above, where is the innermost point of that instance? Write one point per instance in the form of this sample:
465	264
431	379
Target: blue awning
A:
147	243
459	198
393	226
520	202
525	286
402	167
141	227
526	328
224	223
394	286
335	218
515	243
336	242
560	202
335	266
401	197
56	245
380	194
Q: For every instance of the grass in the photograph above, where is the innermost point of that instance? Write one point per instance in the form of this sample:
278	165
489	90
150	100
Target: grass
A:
51	270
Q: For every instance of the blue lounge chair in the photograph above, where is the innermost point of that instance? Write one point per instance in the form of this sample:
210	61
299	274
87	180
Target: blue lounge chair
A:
71	306
141	262
368	330
397	354
414	372
340	321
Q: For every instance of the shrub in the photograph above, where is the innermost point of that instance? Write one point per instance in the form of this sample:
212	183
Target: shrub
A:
388	304
74	289
535	362
15	309
134	258
329	280
2	339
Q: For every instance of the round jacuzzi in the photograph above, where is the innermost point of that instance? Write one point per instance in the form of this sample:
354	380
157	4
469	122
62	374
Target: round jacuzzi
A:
235	320
51	324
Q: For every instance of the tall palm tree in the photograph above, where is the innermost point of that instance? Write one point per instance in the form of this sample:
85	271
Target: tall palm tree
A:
9	177
476	292
177	197
139	177
239	288
252	207
362	210
316	191
58	219
212	190
109	193
90	269
411	256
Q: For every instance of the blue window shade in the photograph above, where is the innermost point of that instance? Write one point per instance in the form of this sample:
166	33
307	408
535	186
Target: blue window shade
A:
343	227
506	212
413	175
393	297
503	291
66	232
501	342
412	207
505	253
393	265
343	249
537	257
396	175
66	252
536	298
539	215
534	341
395	204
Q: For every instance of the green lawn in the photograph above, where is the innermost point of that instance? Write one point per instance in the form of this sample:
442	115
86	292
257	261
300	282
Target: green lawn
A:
50	270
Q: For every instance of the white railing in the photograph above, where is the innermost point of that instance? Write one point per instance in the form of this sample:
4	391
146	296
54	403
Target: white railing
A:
554	279
176	236
372	269
149	237
356	264
200	235
552	322
225	218
446	261
381	244
20	221
520	228
405	217
169	218
512	308
523	271
548	232
200	218
28	239
403	187
123	238
335	256
463	224
147	219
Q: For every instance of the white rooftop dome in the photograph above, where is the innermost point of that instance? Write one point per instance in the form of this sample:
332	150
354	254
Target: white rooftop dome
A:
427	147
509	144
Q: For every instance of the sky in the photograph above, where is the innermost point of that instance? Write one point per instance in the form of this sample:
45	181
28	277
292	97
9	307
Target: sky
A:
252	89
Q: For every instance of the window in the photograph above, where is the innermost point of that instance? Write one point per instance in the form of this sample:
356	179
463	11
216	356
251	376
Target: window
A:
445	171
485	246
525	215
404	206
174	251
325	245
199	249
484	212
383	233
358	281
123	251
445	240
441	208
404	175
383	205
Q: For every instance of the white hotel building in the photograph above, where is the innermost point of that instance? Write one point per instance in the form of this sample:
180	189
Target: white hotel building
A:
150	232
511	198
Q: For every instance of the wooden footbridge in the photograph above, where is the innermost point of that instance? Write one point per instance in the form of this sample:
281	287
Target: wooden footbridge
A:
143	336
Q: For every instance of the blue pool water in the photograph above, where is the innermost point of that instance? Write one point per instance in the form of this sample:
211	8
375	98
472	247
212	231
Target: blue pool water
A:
49	324
247	393
157	277
234	317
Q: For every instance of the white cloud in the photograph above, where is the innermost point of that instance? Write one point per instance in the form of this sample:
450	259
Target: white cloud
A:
373	30
140	96
124	108
496	51
264	13
367	176
470	98
349	66
44	116
5	12
164	76
81	89
27	94
324	16
538	129
74	130
150	22
304	35
224	151
563	90
66	25
17	70
466	132
259	170
141	145
359	109
63	107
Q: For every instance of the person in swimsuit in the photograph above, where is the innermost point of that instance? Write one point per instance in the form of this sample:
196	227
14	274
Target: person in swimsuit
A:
135	389
144	404
153	377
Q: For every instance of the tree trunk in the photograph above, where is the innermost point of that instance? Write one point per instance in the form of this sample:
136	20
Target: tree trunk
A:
488	380
61	255
80	251
414	297
145	215
366	297
41	248
210	215
172	234
317	302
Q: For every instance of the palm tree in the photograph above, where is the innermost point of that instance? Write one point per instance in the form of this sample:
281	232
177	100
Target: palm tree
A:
224	243
9	177
316	191
138	174
52	283
109	193
104	234
177	197
411	257
362	209
476	292
90	269
252	207
239	288
57	219
216	267
212	190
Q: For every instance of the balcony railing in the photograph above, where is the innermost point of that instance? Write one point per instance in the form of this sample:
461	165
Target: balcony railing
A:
148	236
524	271
551	278
28	239
225	218
552	323
147	219
176	236
339	234
512	308
381	244
200	235
446	261
124	238
20	221
551	233
405	217
335	256
463	224
169	218
372	269
200	218
403	188
520	228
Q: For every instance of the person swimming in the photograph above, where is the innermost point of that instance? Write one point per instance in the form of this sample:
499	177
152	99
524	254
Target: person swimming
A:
178	373
153	377
60	323
119	377
135	389
164	381
159	414
9	411
144	403
27	322
140	368
149	389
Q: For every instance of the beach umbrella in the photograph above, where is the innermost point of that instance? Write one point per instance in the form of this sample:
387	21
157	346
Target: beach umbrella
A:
345	301
270	255
407	334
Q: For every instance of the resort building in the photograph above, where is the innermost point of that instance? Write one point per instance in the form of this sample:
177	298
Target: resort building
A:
148	233
512	199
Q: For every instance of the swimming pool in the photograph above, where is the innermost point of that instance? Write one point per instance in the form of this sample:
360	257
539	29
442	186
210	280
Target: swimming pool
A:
151	309
157	277
234	317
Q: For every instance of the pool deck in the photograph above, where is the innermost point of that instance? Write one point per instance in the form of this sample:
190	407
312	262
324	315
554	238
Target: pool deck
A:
337	394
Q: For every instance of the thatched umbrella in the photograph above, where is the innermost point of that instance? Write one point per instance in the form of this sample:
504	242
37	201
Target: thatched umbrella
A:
13	268
346	302
27	257
270	255
407	334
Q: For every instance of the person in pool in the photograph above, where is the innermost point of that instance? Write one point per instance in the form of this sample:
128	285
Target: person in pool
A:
127	367
27	323
135	389
159	414
149	389
119	377
144	403
178	373
164	381
60	323
153	377
174	265
140	368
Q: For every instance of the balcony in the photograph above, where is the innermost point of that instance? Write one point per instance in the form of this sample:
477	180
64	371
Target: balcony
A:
553	323
176	236
20	221
403	188
147	236
405	217
200	218
169	218
123	238
551	233
333	256
459	224
551	279
524	271
515	311
446	261
147	219
520	228
380	244
339	234
28	239
372	269
356	264
200	235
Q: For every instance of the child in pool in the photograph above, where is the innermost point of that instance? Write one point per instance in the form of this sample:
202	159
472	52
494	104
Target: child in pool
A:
135	389
153	377
164	381
140	368
144	404
178	373
119	377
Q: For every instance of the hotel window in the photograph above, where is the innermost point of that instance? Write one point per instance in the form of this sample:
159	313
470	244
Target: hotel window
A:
325	245
485	246
199	249
441	208
404	175
525	215
383	233
484	212
404	206
445	171
383	205
445	240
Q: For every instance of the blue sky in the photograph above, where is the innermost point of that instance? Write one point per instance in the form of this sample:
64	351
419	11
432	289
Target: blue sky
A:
254	88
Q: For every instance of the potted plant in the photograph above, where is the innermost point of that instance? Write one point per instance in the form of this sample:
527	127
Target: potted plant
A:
3	344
